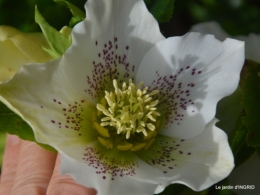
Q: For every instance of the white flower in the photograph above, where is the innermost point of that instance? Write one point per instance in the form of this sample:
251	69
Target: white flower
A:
19	48
114	137
252	41
248	172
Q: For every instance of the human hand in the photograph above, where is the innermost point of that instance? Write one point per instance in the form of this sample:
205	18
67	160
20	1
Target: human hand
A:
29	169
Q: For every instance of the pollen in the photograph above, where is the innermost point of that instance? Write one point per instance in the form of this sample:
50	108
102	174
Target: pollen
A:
127	115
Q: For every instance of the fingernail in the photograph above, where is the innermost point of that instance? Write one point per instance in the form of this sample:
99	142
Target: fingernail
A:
13	139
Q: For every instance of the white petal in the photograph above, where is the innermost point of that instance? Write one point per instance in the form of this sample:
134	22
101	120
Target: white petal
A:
252	41
193	73
247	174
198	162
210	28
252	46
109	44
42	96
82	163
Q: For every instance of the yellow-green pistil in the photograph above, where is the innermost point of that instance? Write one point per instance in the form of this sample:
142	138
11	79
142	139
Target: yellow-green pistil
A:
127	117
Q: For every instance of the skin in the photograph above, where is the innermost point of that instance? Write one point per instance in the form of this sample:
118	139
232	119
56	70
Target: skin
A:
29	169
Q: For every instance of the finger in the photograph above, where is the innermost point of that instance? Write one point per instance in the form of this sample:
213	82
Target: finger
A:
34	170
65	185
10	161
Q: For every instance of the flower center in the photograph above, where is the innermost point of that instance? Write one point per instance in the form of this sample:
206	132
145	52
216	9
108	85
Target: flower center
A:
127	117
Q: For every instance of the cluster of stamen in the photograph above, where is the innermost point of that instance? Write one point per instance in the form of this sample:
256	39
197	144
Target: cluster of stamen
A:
129	114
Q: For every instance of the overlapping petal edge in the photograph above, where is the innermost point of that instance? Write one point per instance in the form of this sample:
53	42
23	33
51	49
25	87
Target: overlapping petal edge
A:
18	48
248	172
121	40
252	41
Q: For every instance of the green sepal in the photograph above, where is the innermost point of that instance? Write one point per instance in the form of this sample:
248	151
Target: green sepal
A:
251	102
161	10
13	124
57	41
78	15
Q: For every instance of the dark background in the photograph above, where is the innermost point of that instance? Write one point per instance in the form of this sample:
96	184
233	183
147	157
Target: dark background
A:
237	17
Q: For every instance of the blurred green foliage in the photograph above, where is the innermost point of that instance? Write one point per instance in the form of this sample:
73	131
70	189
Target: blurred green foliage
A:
237	17
251	104
20	13
161	10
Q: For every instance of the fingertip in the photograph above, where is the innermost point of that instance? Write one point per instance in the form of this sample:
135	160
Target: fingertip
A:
10	162
13	139
34	169
65	185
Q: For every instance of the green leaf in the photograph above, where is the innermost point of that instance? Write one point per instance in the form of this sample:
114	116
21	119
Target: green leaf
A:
54	54
229	111
173	189
2	146
13	124
244	154
74	9
57	41
76	12
74	21
47	147
258	151
239	139
251	104
162	10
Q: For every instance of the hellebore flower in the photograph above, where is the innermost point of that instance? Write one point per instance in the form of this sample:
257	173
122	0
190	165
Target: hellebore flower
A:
248	172
18	48
130	111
